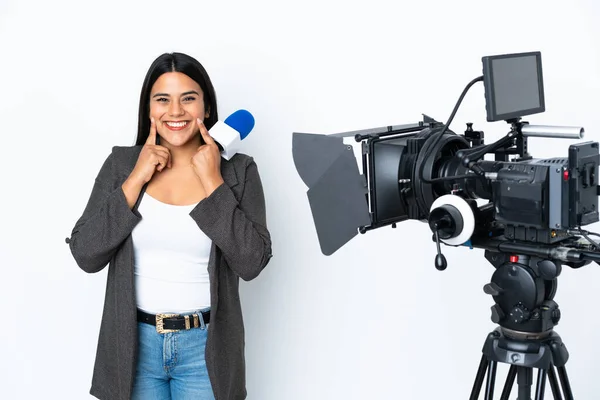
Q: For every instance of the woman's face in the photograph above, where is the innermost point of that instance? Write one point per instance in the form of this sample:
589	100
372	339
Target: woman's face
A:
176	100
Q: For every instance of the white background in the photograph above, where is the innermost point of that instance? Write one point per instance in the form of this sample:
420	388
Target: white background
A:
375	320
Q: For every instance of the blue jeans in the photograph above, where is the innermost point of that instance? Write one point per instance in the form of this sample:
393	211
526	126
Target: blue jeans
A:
171	365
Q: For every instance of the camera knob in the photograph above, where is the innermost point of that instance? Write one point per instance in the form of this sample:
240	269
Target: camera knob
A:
492	289
497	314
519	314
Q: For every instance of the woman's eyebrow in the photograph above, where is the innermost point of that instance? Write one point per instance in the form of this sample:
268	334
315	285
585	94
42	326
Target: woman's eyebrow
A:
182	94
190	92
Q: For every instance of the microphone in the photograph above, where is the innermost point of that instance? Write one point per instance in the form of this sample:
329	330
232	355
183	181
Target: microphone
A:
229	134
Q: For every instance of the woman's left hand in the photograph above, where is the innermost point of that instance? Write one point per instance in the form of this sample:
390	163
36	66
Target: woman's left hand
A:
207	161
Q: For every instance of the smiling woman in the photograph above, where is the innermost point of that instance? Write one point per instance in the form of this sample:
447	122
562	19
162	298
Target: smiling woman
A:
176	103
178	226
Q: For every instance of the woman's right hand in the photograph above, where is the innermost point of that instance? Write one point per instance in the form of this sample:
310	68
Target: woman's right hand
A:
152	158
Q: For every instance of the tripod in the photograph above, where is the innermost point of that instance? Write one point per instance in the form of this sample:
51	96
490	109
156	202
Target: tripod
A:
524	353
523	288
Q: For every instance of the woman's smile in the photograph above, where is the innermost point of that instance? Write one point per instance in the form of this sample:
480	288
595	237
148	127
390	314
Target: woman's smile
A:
176	125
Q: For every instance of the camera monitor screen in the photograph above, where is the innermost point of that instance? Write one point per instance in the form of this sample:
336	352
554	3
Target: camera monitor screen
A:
513	85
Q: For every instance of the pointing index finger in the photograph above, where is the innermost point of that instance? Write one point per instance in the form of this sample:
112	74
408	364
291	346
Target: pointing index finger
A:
152	135
204	132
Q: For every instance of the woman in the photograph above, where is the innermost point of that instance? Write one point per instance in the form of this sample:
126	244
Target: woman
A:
178	227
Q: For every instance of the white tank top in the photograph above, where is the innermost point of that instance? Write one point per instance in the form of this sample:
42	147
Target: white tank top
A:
170	259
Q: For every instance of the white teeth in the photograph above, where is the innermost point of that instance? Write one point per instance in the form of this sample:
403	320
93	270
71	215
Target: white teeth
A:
176	124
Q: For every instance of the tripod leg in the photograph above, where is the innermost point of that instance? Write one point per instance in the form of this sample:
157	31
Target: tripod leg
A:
491	380
479	378
554	384
510	381
564	380
541	385
524	381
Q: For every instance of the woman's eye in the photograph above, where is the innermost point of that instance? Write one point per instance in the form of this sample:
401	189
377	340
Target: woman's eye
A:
189	98
162	99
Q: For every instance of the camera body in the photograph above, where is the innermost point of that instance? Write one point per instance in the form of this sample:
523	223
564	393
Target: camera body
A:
542	200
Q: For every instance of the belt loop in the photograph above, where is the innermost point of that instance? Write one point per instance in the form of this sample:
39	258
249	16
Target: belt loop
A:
201	318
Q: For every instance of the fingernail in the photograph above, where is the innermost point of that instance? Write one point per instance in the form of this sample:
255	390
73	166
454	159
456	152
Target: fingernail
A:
199	121
152	119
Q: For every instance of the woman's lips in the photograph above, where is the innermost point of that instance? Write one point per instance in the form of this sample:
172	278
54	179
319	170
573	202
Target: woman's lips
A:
176	126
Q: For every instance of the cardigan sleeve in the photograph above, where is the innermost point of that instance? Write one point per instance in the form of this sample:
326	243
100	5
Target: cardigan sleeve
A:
239	229
106	222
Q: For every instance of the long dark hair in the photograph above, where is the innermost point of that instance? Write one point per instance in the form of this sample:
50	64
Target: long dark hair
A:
175	62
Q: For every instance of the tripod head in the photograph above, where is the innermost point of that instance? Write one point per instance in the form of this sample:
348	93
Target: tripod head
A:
523	289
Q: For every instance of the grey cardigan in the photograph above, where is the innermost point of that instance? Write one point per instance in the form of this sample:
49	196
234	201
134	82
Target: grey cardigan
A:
233	217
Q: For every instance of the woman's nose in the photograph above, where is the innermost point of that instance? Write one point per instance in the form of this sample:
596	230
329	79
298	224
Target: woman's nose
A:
175	109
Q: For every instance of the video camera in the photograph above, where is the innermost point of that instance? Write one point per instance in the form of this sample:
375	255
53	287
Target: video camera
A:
527	214
529	227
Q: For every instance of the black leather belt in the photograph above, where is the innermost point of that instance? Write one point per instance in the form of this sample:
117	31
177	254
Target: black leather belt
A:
166	323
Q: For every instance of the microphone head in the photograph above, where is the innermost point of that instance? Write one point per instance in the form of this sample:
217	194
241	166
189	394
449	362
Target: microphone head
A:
242	121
